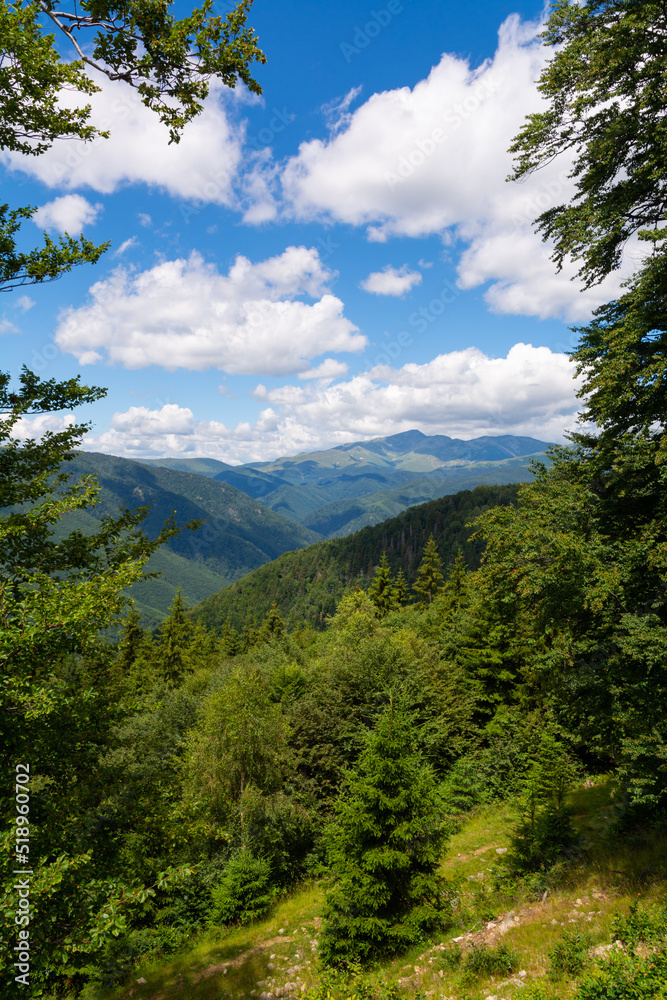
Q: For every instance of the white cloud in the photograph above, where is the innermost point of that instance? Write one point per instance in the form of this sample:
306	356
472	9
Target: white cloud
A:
6	326
329	369
125	245
24	303
391	281
463	394
337	111
200	167
68	214
185	314
433	159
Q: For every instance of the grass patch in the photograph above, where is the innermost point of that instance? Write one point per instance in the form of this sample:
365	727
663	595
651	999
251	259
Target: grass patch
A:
590	903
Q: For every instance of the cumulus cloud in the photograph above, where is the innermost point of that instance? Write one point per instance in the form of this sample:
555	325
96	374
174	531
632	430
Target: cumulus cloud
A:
433	159
201	167
185	314
391	281
463	394
329	369
68	214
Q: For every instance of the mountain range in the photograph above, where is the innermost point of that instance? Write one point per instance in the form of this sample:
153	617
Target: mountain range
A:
254	513
342	489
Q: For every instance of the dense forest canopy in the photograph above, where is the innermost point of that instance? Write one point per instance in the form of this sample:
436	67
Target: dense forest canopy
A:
186	779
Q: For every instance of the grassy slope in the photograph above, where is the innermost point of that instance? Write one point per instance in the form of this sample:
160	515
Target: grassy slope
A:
606	879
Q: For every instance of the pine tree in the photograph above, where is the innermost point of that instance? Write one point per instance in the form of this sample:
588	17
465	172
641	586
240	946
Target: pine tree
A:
382	590
430	580
384	849
401	588
132	640
174	639
273	626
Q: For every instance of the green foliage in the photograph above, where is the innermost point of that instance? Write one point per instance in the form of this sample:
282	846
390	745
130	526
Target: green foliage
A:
429	580
604	102
384	850
245	892
450	957
307	585
383	591
172	641
481	960
627	978
545	832
169	61
642	925
46	263
570	955
238	745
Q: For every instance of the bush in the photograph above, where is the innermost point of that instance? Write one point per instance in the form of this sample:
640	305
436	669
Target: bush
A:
245	892
569	956
450	958
641	926
627	977
482	961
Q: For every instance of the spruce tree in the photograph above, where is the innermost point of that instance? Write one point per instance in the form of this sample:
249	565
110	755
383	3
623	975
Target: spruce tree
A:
384	849
174	639
382	590
401	588
430	580
273	626
132	640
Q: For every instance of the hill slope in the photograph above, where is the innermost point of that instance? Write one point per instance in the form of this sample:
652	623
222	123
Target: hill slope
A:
239	534
306	585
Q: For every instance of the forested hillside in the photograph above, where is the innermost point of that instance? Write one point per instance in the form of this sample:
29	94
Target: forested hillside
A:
307	585
237	534
449	781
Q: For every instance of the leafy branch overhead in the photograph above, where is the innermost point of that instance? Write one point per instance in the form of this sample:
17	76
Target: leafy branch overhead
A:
606	105
169	61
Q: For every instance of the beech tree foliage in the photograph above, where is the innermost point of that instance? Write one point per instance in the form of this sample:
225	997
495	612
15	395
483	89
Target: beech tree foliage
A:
59	587
604	88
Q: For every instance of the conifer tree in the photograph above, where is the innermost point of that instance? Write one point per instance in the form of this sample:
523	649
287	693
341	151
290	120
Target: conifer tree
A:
230	640
384	849
382	591
273	626
132	640
174	639
429	580
401	588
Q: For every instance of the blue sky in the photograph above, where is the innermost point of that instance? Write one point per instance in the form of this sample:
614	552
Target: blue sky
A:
338	260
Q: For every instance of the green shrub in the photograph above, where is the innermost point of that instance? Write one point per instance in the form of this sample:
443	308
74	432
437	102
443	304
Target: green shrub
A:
625	976
483	961
541	840
245	892
450	958
569	956
641	925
